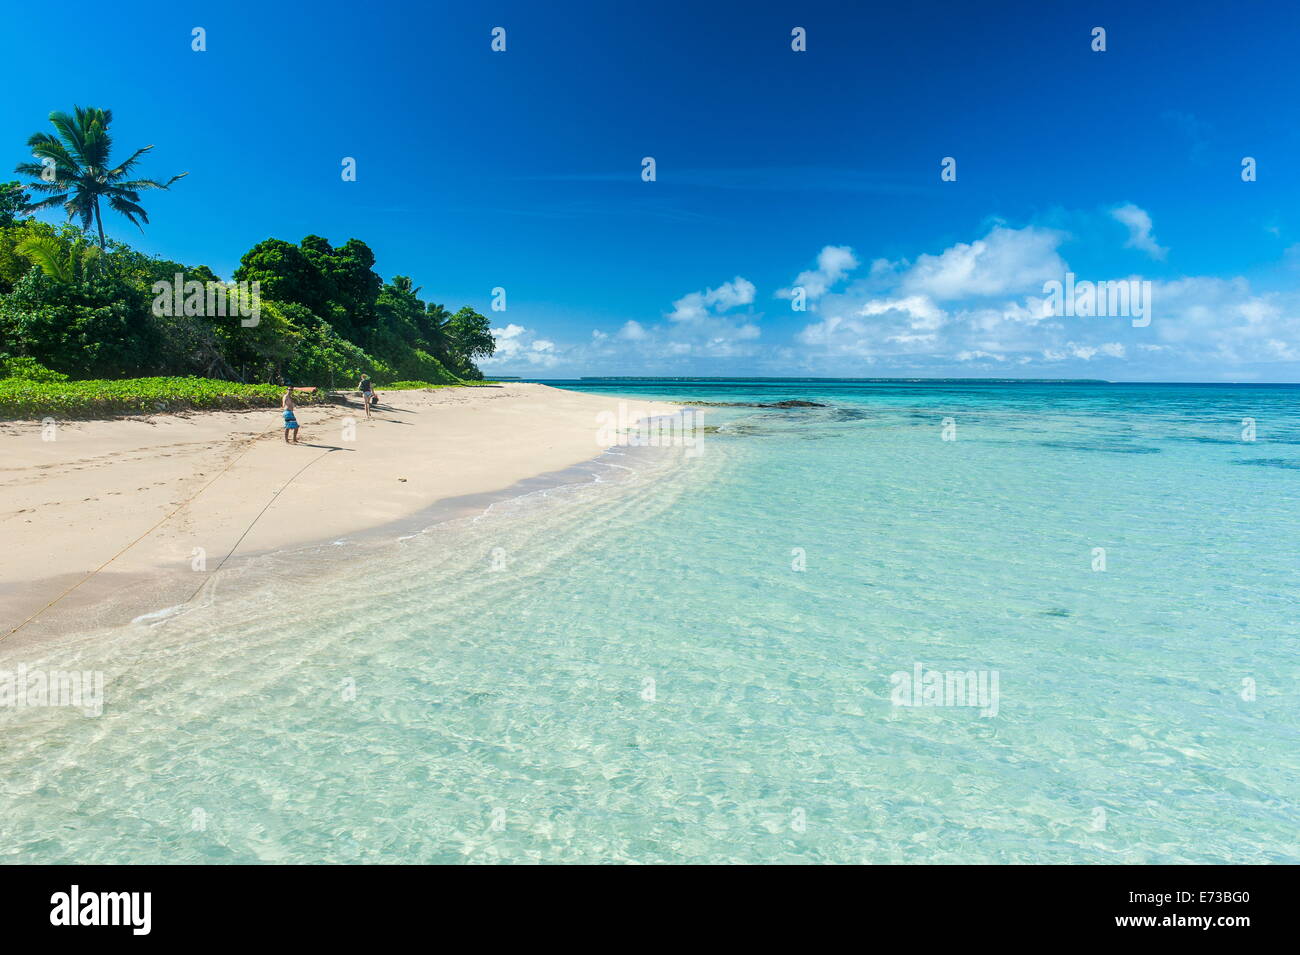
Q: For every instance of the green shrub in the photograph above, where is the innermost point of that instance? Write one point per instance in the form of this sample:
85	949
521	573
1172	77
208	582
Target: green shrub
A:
20	398
28	369
410	385
417	365
95	328
322	357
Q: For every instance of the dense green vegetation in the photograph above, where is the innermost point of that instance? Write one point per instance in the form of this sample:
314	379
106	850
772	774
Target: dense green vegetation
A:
23	398
420	385
76	304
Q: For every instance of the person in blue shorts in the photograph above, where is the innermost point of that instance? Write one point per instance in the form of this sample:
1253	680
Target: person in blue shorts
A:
290	422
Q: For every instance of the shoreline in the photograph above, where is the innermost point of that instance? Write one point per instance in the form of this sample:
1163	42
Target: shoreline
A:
448	452
114	599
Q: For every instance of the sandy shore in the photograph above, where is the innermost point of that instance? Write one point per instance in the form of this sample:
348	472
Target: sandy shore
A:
143	498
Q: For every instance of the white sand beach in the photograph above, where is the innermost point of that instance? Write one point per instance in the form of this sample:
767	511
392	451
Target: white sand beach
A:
132	500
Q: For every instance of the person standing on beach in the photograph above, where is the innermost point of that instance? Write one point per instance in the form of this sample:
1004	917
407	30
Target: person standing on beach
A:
367	392
290	421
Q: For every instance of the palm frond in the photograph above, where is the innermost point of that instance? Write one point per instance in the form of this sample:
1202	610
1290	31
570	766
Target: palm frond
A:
138	184
81	205
90	258
49	145
126	167
37	172
49	203
51	148
71	132
129	209
129	194
42	186
47	253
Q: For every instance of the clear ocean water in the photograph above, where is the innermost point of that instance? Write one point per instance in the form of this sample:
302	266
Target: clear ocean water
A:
672	658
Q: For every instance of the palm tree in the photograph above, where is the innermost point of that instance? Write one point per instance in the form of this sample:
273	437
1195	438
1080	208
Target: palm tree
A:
82	174
435	328
403	284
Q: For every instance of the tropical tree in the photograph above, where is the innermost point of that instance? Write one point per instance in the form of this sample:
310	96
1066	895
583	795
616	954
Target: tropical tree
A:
74	170
471	335
434	328
285	275
12	202
354	287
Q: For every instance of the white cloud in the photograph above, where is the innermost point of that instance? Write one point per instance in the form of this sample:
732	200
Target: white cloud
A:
975	307
697	305
946	306
1138	221
517	345
632	331
702	326
834	262
1084	352
975	303
1004	261
699	325
906	324
1202	326
1223	322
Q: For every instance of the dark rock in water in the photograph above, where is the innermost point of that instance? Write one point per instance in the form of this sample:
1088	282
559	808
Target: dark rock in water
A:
753	404
733	430
1287	463
1105	447
848	414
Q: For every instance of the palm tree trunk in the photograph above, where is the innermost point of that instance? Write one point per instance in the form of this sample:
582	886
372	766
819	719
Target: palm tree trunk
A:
99	222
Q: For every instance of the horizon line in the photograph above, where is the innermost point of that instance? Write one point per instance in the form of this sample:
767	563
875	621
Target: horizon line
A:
914	378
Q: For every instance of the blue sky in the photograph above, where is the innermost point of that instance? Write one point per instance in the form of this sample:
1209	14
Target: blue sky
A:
522	170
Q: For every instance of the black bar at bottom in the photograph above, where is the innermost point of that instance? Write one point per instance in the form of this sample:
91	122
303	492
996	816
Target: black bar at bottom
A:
943	904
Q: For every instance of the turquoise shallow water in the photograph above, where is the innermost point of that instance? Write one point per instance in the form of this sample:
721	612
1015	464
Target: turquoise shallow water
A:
630	668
